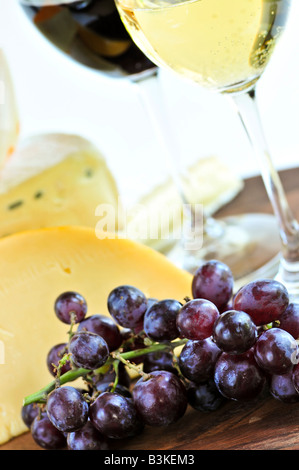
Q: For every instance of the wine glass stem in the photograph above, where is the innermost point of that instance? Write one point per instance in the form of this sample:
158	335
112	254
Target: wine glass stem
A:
247	109
151	97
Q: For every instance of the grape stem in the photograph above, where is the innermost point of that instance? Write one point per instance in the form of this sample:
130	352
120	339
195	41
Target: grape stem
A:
129	364
116	370
74	374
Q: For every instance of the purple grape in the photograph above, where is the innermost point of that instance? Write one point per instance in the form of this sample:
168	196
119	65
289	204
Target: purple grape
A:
88	350
235	332
282	388
196	319
139	328
289	320
87	438
105	327
226	307
159	360
55	354
123	377
133	344
151	301
160	398
213	281
160	320
115	416
197	360
29	413
295	377
70	304
67	409
205	396
264	300
238	377
127	305
46	435
276	351
107	387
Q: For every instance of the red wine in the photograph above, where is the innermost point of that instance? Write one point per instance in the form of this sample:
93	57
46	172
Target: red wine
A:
92	33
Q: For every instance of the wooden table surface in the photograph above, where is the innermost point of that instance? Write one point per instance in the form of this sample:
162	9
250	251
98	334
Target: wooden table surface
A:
264	425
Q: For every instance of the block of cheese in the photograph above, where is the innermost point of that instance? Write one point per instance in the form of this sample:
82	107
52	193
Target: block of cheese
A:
209	182
36	266
53	180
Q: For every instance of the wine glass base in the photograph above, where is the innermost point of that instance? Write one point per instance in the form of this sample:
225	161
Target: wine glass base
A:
288	275
249	244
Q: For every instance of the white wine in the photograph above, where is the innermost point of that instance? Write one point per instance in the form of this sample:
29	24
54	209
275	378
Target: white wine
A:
221	44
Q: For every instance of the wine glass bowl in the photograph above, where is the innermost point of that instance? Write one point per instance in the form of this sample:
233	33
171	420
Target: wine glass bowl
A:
222	45
91	33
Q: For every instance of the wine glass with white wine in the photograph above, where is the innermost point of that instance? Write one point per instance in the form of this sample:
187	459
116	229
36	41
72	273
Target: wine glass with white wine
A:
217	43
224	46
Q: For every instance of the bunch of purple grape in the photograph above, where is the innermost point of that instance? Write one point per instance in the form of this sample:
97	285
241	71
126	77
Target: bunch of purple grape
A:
234	347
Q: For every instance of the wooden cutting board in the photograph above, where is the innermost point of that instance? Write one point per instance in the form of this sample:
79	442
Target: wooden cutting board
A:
264	425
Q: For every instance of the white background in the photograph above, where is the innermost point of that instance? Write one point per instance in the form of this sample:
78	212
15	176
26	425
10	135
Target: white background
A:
55	94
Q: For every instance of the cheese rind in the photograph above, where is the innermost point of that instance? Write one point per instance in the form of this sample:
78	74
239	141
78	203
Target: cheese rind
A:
36	266
9	116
